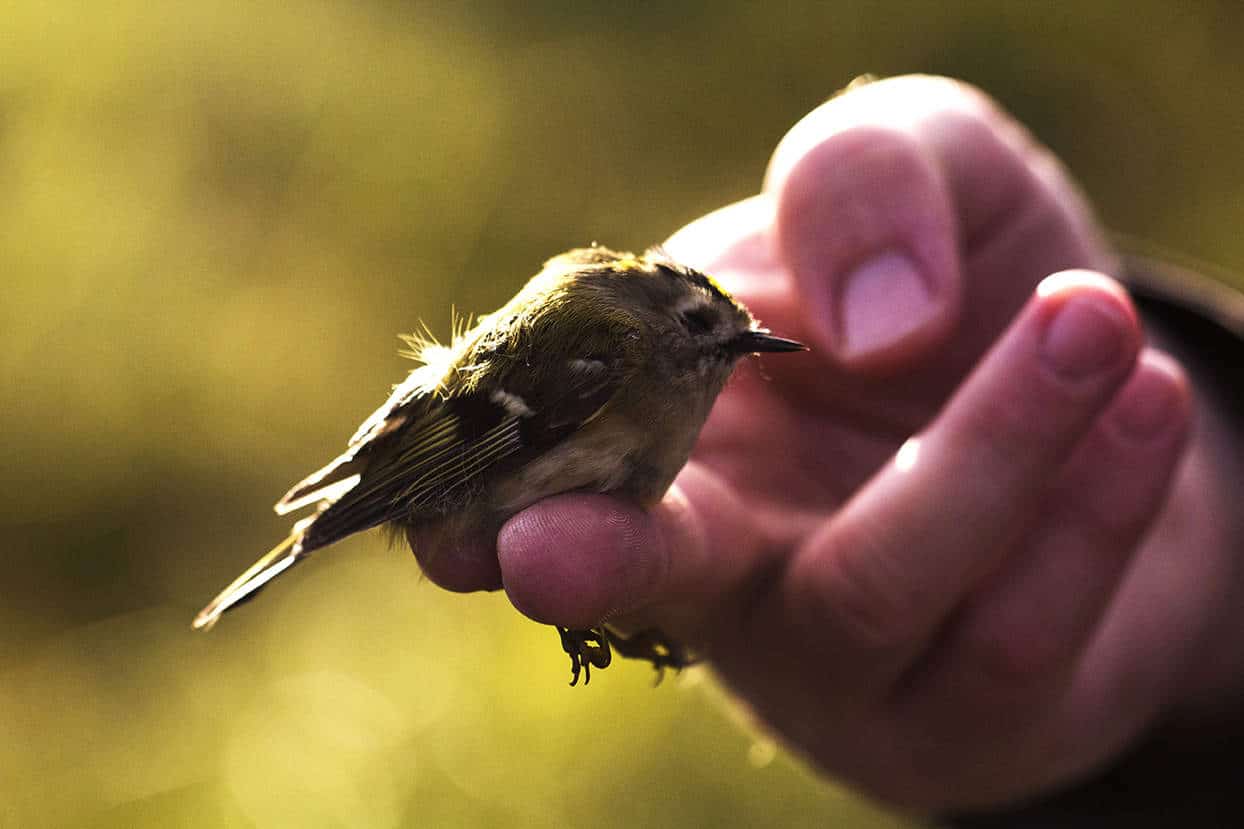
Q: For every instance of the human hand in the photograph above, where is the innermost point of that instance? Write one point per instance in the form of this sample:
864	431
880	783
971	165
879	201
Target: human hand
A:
1008	600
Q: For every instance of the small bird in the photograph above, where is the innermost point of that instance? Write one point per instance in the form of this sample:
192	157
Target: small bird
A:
597	377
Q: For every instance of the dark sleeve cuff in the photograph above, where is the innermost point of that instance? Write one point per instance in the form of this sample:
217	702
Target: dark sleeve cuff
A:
1201	320
1165	782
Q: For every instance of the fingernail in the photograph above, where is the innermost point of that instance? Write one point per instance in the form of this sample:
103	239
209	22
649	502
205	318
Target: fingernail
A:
884	300
1149	401
1084	338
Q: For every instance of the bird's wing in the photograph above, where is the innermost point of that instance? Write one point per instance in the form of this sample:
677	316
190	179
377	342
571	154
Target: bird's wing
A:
430	463
429	446
414	460
330	482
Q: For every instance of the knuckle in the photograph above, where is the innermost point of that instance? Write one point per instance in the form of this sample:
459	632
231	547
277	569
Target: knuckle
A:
849	130
1013	658
955	119
855	156
1104	521
949	102
861	603
861	181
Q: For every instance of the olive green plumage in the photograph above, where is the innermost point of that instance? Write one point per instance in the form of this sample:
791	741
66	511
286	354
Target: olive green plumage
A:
596	376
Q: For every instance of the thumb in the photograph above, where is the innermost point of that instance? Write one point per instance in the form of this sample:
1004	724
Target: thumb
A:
865	225
577	560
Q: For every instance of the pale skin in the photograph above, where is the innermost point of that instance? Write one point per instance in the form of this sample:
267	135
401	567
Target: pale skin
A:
1051	569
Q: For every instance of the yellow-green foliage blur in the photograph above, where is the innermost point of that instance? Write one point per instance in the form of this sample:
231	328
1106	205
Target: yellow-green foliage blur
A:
215	216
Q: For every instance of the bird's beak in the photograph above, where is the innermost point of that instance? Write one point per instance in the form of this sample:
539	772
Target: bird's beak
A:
759	340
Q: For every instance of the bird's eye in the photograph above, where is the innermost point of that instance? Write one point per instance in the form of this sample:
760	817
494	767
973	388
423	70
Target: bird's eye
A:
698	321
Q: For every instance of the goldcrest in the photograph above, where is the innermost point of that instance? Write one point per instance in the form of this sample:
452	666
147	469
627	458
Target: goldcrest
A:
596	377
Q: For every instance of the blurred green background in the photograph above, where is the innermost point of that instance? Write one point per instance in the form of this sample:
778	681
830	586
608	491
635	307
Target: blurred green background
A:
214	218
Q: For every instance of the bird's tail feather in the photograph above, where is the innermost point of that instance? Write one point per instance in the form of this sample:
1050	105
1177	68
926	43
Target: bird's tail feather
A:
276	561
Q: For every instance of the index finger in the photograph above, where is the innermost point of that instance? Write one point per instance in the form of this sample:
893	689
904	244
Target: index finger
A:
886	571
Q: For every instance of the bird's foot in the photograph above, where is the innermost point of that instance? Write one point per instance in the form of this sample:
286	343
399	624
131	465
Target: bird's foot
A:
593	648
587	649
653	646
